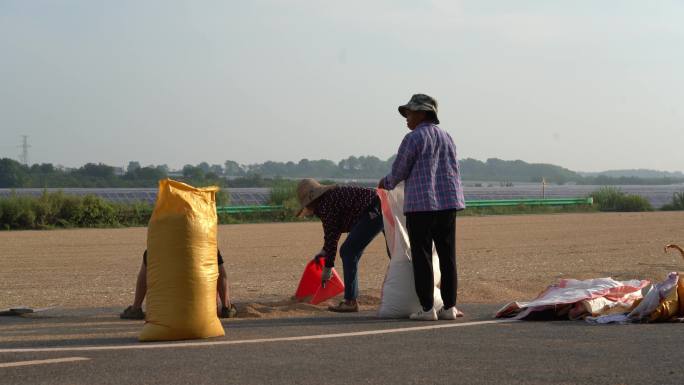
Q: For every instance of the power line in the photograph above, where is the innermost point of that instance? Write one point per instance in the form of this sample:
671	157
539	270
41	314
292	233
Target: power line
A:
24	157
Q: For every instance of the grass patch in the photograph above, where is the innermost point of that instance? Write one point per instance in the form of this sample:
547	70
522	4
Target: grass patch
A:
526	209
676	204
57	210
284	192
263	217
610	198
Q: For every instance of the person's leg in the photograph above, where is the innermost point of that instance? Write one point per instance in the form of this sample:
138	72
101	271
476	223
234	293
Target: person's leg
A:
351	250
419	226
444	236
224	306
135	311
223	291
140	287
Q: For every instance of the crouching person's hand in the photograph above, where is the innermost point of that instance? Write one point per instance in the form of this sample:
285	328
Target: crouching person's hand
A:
325	277
320	255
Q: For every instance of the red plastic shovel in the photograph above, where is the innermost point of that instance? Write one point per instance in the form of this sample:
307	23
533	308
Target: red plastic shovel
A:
310	284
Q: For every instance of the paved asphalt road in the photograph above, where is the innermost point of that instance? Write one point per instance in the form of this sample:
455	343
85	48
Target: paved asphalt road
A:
464	352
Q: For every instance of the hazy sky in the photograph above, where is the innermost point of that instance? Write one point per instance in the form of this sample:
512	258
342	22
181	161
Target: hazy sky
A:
588	85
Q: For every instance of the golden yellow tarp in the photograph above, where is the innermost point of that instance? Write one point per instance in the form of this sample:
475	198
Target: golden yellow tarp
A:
181	264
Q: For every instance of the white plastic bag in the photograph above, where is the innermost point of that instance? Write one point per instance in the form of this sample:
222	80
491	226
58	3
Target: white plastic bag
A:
399	298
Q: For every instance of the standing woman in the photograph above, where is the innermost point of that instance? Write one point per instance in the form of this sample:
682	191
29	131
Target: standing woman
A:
427	161
342	209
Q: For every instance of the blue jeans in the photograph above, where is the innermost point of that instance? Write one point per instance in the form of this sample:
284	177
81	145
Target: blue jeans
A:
363	232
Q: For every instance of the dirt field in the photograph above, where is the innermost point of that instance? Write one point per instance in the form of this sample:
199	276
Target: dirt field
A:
500	259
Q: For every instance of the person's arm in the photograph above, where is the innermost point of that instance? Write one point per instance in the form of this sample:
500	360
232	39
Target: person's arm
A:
331	237
401	168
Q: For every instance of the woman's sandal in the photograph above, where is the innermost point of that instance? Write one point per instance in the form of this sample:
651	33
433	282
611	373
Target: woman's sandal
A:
131	313
343	307
228	312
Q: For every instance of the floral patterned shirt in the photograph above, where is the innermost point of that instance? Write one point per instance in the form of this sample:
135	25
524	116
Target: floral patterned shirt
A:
339	209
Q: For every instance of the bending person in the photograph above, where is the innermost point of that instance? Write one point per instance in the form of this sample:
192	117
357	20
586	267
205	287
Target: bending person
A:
342	209
227	309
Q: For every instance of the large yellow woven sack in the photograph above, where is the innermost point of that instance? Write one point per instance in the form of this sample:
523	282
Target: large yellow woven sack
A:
680	294
181	265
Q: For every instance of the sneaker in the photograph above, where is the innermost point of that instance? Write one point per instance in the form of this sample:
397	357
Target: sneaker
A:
228	312
449	314
344	307
422	315
131	313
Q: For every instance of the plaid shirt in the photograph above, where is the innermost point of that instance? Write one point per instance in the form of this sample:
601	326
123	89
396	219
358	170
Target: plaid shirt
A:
339	210
427	162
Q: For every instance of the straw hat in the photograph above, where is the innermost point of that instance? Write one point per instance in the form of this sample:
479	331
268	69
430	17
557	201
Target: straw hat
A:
420	102
308	190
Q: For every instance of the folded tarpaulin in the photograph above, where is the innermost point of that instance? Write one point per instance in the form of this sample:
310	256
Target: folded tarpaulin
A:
577	298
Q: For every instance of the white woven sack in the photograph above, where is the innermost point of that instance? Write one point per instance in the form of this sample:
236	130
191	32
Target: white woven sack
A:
399	297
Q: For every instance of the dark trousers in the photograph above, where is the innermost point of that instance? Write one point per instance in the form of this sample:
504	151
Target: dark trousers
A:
363	232
423	229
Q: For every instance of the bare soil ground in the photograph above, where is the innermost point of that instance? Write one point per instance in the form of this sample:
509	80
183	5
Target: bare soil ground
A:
500	259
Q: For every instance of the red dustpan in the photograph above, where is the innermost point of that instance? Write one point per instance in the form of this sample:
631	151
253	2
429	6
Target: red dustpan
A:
310	284
331	289
311	280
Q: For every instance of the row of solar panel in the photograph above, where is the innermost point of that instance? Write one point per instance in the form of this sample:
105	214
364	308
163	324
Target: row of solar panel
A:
237	198
657	195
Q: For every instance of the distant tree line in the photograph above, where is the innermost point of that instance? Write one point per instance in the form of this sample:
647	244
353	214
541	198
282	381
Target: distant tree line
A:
637	173
232	174
15	175
604	180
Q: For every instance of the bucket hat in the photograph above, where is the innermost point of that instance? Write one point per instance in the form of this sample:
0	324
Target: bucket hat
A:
308	190
420	102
